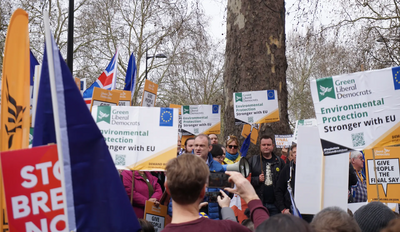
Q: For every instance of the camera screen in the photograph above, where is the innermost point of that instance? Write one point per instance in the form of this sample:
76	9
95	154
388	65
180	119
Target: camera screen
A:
218	180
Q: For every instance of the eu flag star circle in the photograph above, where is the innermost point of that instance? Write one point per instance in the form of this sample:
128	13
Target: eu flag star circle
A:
166	116
395	77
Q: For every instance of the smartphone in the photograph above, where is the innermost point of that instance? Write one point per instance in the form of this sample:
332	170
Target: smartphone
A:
219	180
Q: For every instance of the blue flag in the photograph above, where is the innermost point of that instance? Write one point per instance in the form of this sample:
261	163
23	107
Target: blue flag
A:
33	62
130	78
245	146
95	196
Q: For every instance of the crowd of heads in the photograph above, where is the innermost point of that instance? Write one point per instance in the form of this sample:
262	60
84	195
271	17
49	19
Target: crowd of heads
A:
187	179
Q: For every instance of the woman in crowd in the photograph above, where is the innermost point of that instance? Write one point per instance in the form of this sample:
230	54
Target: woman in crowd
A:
232	154
145	188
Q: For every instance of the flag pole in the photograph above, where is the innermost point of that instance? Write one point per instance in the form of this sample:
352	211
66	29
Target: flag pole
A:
55	111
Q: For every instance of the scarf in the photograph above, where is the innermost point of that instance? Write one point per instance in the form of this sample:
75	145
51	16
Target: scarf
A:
231	157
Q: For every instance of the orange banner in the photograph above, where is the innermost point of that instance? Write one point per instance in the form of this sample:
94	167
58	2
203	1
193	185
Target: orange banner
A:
149	94
15	99
124	97
104	97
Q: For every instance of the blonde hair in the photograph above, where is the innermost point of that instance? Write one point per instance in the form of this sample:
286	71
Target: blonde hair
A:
230	139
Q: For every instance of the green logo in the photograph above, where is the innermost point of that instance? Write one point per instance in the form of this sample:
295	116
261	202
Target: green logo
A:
238	97
186	110
325	88
103	114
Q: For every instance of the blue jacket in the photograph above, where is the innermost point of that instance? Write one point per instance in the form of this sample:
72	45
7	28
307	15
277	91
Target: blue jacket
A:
213	208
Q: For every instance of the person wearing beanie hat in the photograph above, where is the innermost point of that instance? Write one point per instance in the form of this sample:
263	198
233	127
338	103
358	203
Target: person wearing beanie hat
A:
373	217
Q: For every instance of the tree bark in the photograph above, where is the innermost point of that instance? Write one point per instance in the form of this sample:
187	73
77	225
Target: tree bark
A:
255	60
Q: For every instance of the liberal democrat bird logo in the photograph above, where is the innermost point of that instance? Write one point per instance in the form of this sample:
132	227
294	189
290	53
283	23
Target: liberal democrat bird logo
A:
103	115
324	90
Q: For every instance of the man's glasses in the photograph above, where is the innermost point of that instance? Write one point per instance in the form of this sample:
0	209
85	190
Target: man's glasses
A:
232	146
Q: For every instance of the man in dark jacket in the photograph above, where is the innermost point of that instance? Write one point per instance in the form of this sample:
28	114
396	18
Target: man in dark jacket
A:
265	175
283	201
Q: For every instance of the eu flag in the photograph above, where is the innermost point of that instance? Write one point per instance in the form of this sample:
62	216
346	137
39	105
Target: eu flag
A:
396	77
166	117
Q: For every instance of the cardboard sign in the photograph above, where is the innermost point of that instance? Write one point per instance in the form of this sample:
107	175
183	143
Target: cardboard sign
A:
256	106
155	215
201	119
321	181
387	174
283	141
124	97
103	97
359	110
254	133
149	94
139	138
180	117
32	183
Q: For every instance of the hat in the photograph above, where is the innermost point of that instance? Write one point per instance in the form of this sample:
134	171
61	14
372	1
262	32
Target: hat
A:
216	150
373	216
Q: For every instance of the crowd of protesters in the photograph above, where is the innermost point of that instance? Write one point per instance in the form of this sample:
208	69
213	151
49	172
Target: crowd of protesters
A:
268	193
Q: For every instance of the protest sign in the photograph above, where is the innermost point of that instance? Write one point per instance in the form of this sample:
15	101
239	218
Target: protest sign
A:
387	174
149	94
180	117
303	122
32	183
254	133
282	141
201	119
358	110
124	97
139	138
104	97
256	106
320	181
155	215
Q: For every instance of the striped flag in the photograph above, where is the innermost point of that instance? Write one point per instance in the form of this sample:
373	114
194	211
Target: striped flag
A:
105	81
94	196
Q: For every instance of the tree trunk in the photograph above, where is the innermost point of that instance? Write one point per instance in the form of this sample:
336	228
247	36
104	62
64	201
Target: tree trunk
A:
255	59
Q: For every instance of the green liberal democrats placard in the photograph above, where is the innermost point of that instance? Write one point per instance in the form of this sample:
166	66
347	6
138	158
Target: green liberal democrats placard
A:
201	119
139	138
358	110
256	107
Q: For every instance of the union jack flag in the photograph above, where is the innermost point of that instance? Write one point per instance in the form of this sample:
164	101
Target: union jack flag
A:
105	81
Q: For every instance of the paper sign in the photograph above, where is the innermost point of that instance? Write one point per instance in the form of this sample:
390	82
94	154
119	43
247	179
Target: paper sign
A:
283	141
358	110
254	133
103	97
180	117
387	174
139	138
77	82
201	119
33	190
155	215
256	106
124	97
149	94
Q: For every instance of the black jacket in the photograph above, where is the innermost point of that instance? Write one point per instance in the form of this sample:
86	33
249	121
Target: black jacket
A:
255	168
282	197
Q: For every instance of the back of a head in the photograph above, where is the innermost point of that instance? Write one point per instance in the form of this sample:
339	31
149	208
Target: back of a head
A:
146	226
393	226
186	177
373	217
334	219
284	222
248	223
216	150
